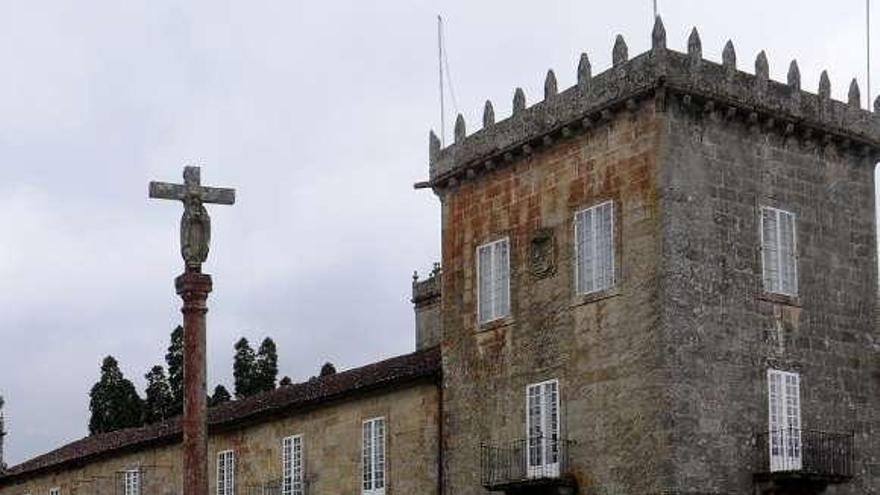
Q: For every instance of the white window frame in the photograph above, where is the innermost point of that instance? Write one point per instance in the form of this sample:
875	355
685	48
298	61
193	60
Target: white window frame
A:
56	490
226	472
374	457
547	447
784	421
776	284
596	258
292	462
495	313
131	482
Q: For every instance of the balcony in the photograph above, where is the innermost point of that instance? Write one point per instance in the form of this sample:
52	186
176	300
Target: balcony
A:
805	458
537	466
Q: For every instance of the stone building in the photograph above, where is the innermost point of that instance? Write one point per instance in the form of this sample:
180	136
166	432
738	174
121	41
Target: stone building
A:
660	280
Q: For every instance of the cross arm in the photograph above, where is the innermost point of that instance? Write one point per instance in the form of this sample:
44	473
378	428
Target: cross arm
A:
166	190
215	195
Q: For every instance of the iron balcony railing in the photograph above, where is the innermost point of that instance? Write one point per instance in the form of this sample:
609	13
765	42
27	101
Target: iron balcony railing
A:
524	461
793	451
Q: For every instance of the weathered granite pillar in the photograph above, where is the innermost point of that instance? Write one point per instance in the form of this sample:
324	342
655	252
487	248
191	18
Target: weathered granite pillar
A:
193	288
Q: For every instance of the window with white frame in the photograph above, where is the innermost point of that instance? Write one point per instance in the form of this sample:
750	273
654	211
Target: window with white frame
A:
493	284
226	472
55	491
594	248
784	435
292	466
542	426
779	251
131	482
374	457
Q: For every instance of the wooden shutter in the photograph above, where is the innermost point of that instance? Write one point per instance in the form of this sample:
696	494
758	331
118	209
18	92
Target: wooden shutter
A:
594	248
485	293
604	225
584	249
493	274
501	267
787	253
779	251
770	248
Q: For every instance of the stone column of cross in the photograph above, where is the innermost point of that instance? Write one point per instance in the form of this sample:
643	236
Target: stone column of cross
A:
193	287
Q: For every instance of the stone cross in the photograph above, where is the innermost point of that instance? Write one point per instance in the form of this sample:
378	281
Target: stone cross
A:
193	287
195	226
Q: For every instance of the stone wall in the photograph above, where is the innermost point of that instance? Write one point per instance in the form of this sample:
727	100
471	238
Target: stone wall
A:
602	349
426	304
721	330
331	441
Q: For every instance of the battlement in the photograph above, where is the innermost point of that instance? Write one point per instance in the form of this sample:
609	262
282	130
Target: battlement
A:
666	75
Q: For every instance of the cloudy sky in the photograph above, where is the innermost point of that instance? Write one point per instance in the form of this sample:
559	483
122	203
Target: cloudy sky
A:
318	113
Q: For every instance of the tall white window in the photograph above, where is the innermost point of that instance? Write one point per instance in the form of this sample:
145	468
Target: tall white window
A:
55	491
226	473
594	248
374	456
131	482
779	251
493	273
292	466
785	420
542	425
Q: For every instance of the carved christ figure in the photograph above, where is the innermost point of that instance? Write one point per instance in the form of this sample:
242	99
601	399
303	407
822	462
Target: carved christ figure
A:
195	225
195	232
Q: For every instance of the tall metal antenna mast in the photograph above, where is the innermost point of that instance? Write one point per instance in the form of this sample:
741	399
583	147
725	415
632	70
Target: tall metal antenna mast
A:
440	66
655	10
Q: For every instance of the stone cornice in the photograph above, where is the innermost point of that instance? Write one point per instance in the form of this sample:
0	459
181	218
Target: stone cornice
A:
660	73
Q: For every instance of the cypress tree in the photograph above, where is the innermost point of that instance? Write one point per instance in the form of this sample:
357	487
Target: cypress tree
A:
266	370
328	369
219	396
158	401
174	361
114	402
243	369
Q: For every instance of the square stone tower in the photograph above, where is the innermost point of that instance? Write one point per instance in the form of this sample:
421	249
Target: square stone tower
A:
662	280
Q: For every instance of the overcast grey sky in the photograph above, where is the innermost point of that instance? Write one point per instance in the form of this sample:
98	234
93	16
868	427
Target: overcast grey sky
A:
318	113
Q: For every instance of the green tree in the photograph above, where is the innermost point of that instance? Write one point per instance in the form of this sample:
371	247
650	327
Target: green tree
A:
157	404
174	361
266	369
328	369
244	369
219	396
285	382
114	402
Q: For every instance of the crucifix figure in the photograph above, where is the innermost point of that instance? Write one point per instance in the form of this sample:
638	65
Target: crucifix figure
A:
195	226
193	287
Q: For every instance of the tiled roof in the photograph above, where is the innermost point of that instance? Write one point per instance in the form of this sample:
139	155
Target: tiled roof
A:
281	401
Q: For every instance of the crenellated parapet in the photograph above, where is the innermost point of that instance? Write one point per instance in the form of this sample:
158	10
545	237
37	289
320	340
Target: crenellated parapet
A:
664	75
